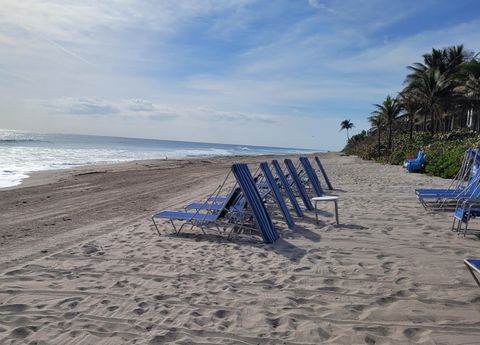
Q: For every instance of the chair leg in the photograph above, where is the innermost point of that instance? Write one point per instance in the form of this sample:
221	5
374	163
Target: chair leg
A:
336	212
156	227
453	224
177	232
316	212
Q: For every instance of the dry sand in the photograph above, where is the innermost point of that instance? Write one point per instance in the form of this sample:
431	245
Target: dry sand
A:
82	264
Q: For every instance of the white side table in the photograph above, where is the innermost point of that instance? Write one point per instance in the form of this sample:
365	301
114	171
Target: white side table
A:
329	198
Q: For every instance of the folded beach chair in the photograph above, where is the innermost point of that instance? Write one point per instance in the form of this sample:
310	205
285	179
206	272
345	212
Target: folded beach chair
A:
324	173
287	187
473	266
276	194
312	176
255	202
262	185
298	184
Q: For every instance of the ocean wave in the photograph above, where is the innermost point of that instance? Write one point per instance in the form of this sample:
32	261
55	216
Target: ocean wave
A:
22	153
19	141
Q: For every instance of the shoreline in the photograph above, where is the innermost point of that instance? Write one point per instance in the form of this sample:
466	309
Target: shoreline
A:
39	177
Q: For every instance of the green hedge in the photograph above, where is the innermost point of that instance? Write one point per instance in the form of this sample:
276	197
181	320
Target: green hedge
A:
444	150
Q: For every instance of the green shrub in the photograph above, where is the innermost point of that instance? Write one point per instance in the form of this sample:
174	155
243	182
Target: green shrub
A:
444	150
444	162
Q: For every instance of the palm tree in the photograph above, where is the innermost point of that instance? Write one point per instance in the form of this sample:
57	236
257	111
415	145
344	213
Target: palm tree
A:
389	110
411	105
346	124
447	61
434	92
435	79
377	122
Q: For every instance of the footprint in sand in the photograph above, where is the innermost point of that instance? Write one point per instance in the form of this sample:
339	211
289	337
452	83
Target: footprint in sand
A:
221	313
70	315
378	330
23	332
401	280
16	308
412	332
356	308
387	266
140	311
386	300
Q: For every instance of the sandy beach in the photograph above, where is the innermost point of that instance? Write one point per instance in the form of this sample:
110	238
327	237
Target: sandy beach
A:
82	263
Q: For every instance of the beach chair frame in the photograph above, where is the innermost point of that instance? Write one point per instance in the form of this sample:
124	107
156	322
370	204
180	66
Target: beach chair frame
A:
473	269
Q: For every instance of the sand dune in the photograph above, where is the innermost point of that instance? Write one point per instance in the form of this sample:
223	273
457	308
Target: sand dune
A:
82	264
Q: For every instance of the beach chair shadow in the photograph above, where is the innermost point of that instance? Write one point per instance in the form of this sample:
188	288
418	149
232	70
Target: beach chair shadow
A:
288	250
301	231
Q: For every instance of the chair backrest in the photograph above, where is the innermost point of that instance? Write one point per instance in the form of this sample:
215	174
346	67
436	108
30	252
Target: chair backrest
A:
232	200
287	187
273	185
324	173
249	189
298	183
312	177
472	189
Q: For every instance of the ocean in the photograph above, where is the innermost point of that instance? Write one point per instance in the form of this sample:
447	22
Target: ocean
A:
22	153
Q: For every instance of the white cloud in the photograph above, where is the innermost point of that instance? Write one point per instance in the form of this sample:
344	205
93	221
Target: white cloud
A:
321	6
139	105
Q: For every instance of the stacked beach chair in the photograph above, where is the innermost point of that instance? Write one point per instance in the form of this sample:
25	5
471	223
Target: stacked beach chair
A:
248	205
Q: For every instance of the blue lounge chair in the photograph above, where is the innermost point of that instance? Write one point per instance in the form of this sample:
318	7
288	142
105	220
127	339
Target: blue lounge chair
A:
286	186
417	163
218	203
255	202
312	176
448	199
473	179
324	173
473	266
212	217
464	212
277	195
298	184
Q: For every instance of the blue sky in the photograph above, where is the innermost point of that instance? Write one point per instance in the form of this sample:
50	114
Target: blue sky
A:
275	73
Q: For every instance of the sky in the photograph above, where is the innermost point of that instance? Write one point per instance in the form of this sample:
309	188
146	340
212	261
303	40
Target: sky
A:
274	73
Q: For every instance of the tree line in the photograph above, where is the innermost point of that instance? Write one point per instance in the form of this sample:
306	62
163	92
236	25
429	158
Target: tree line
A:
440	94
